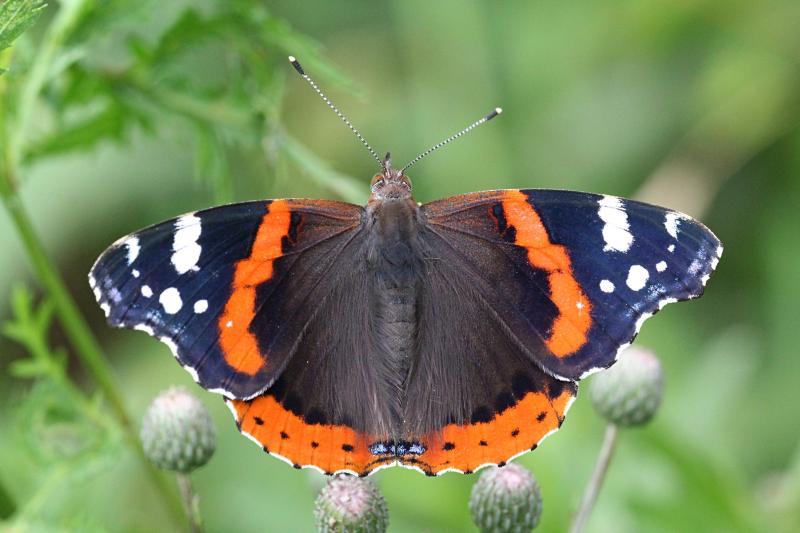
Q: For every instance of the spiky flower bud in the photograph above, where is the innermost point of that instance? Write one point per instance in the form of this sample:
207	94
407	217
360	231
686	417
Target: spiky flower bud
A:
177	431
629	393
351	504
506	500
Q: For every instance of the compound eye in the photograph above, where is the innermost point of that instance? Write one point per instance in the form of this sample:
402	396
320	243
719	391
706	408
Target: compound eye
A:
377	181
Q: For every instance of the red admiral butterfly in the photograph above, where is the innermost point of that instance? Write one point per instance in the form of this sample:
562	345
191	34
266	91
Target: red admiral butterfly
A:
443	337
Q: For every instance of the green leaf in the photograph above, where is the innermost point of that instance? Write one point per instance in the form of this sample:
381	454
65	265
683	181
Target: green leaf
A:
211	163
344	186
108	124
26	368
16	16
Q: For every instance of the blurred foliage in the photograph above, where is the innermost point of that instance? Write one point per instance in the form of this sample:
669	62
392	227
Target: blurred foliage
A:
16	16
115	114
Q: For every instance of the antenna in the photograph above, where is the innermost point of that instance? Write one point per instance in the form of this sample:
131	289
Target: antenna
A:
496	111
296	64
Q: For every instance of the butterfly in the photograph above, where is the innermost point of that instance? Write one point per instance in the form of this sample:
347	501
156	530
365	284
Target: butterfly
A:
443	337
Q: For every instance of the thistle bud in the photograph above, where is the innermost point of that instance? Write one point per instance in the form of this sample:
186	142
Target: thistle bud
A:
177	431
506	500
629	393
351	504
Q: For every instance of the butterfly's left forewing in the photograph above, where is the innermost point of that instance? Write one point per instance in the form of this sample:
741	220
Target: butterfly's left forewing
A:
203	284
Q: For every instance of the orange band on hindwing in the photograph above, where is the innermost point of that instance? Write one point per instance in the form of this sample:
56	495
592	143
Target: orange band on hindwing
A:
239	345
517	429
336	448
569	330
329	447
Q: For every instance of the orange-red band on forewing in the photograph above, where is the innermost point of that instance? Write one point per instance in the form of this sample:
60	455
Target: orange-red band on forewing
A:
331	448
239	345
570	328
517	429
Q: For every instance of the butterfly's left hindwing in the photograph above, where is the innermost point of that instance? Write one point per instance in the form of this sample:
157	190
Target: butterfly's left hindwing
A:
200	281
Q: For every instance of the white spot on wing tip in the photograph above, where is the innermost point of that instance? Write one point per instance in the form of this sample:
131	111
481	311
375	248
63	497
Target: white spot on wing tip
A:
186	251
147	292
132	244
106	309
606	286
671	222
637	277
170	300
661	266
200	306
135	273
615	230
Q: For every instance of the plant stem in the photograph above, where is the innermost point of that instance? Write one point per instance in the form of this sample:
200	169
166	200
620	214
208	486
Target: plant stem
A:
75	326
596	481
7	504
67	17
342	185
191	503
81	337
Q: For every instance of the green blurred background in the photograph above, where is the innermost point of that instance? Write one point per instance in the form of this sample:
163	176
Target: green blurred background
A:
689	104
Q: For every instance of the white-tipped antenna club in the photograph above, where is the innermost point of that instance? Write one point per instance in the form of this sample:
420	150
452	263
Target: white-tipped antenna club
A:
296	64
496	111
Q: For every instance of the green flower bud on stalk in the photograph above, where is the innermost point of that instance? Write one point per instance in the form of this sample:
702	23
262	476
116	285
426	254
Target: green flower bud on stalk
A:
177	431
506	500
629	393
351	504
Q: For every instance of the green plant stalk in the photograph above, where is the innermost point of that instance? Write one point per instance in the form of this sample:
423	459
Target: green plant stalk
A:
75	327
41	353
7	504
191	502
79	334
68	16
596	481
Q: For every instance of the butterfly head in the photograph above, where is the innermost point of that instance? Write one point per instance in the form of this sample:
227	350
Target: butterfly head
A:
390	183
